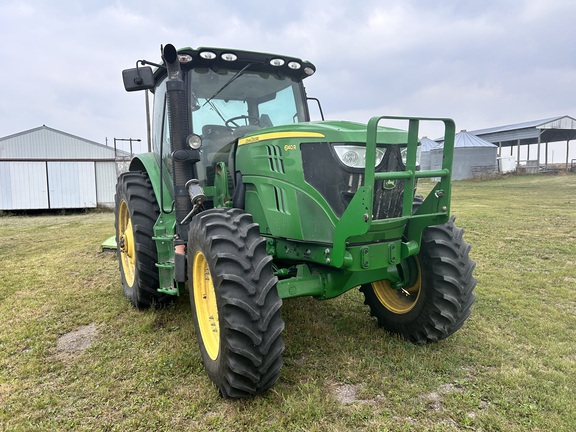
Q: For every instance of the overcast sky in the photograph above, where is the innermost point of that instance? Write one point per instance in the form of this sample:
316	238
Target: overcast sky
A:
484	63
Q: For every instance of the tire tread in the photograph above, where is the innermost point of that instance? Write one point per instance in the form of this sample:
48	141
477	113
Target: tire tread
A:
251	343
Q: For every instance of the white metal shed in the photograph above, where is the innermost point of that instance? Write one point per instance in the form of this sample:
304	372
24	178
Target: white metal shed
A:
472	156
44	168
426	147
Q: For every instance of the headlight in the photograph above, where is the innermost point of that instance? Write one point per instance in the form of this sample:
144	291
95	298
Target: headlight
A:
355	156
184	58
404	153
229	57
309	71
194	141
208	55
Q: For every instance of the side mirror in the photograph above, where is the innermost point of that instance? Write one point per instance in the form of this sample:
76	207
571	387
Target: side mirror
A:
138	79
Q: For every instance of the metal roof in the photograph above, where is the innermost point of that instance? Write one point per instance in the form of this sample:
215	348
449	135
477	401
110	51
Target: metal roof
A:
47	143
464	139
428	144
552	129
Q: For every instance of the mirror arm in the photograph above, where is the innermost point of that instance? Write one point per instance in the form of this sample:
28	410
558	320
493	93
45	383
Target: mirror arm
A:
146	62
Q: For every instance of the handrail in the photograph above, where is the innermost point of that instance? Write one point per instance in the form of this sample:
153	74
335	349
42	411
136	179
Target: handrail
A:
410	174
357	219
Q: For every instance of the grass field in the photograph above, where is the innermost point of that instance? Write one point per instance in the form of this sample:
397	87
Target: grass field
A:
74	355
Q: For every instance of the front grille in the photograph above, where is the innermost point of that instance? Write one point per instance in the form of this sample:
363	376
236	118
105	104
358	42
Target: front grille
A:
338	183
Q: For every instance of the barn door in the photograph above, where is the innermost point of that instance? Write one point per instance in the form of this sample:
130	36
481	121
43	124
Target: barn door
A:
72	185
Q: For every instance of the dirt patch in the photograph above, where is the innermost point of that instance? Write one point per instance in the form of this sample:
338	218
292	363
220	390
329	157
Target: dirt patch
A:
435	399
77	341
5	390
348	394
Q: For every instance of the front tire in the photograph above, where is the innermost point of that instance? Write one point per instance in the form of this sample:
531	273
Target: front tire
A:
438	300
235	303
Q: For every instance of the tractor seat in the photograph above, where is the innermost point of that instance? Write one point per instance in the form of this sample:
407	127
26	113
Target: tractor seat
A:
214	139
240	131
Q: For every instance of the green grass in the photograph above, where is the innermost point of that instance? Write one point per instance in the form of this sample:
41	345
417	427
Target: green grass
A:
512	367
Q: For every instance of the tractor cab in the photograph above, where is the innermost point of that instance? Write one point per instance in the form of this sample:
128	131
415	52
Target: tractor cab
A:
228	104
228	95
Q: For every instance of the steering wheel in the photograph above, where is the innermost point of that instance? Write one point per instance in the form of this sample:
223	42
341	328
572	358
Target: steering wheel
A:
231	122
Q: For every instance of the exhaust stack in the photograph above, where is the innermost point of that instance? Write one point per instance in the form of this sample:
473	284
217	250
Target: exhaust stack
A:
183	158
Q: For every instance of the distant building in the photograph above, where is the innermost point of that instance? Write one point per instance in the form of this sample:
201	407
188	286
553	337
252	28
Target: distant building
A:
532	135
44	168
473	156
426	146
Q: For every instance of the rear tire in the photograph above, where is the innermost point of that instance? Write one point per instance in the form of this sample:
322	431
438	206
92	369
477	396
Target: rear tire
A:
235	303
136	212
438	301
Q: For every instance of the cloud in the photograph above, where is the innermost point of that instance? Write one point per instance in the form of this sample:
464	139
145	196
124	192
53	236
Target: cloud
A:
484	63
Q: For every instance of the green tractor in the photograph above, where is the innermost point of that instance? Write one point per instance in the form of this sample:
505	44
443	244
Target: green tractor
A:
244	201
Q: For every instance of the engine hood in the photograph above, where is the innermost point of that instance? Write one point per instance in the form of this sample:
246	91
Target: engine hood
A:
330	131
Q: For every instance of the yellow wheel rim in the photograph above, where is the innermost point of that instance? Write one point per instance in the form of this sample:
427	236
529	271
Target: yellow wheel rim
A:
206	307
126	244
398	301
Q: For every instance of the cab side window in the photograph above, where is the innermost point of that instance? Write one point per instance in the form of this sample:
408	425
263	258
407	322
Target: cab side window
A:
160	125
159	114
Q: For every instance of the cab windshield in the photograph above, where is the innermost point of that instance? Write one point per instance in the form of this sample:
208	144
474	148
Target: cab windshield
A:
241	102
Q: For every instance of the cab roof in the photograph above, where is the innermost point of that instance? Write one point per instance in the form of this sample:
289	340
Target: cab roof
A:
234	59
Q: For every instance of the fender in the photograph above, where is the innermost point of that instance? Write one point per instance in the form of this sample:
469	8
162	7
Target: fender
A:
150	163
168	270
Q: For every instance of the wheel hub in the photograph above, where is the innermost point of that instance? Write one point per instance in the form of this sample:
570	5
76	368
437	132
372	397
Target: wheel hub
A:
126	244
122	243
206	306
400	298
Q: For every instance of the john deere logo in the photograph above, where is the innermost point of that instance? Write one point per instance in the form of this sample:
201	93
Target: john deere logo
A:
389	184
